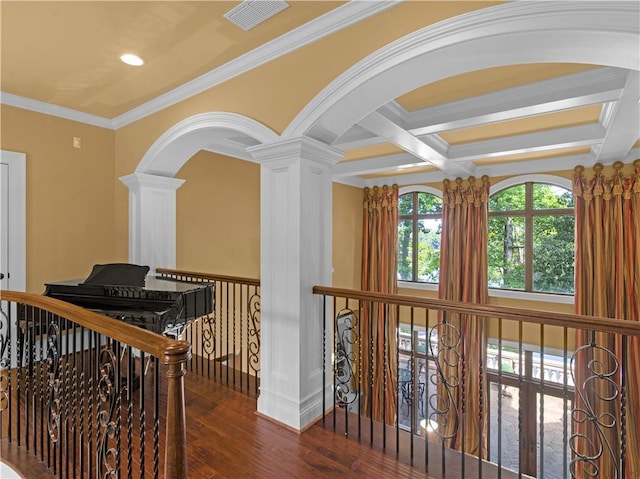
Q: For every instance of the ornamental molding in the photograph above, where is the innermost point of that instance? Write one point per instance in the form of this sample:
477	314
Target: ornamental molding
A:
332	21
175	146
505	29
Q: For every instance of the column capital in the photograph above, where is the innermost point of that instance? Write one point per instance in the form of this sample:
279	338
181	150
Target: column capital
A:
136	181
152	219
305	147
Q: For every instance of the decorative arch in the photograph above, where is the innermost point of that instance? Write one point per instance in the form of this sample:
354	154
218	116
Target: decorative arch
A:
180	142
152	187
515	32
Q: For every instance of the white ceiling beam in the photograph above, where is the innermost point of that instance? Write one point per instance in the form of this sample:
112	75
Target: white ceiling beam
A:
570	91
357	137
380	125
375	165
569	137
622	122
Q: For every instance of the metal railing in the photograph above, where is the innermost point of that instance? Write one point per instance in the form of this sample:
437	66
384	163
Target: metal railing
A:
88	395
545	405
226	343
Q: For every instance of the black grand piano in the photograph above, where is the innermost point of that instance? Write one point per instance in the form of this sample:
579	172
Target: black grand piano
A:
123	291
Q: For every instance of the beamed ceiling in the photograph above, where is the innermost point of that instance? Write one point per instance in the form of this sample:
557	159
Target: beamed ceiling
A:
61	58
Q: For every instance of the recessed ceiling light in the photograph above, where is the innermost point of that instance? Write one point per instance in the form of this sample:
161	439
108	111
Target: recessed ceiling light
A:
131	59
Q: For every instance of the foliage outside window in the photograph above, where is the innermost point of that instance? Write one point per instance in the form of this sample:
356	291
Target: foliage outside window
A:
419	229
531	239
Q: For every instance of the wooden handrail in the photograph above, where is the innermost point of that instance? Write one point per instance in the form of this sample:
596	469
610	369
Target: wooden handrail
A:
592	323
169	351
209	276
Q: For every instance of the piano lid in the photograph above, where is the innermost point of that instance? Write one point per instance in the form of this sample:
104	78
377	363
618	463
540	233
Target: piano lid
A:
156	295
169	302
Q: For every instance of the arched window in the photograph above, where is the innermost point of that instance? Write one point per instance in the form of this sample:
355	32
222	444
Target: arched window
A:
419	228
531	235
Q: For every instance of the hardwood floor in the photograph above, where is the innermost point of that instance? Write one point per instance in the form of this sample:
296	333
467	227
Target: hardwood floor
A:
227	439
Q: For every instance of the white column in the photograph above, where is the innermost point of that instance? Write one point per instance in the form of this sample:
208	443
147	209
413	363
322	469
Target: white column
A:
152	219
295	255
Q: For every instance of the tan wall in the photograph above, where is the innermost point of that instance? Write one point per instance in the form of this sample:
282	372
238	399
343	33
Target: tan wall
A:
70	193
218	220
347	236
274	93
218	216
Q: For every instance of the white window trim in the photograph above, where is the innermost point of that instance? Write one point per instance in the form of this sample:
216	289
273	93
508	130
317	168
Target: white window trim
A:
501	185
420	189
421	286
518	180
500	293
403	190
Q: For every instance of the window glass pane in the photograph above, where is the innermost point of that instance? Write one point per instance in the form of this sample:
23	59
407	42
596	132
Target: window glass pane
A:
551	196
429	250
405	204
511	199
553	253
506	252
405	250
429	204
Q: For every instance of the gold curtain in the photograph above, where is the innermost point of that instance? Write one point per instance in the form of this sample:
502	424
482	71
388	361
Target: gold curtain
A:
462	338
607	210
379	323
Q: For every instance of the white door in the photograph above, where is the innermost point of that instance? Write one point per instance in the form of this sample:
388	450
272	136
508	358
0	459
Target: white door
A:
12	221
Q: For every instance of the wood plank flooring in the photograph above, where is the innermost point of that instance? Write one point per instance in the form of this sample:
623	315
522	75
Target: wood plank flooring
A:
227	439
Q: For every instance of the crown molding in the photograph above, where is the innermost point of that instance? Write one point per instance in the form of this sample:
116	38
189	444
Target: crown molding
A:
333	21
54	110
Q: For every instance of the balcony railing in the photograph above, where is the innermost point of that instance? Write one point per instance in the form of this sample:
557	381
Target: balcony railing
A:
545	404
88	395
226	343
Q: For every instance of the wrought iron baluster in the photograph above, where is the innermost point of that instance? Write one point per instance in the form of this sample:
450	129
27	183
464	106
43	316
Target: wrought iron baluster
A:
596	397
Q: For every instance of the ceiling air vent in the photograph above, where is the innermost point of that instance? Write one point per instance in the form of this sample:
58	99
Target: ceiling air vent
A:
252	12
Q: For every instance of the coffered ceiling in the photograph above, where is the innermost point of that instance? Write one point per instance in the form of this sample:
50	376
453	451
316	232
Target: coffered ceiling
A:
61	58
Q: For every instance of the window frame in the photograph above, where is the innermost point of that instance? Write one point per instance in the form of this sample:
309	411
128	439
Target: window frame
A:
418	189
499	186
529	214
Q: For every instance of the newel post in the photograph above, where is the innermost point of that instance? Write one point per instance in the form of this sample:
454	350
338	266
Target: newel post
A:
175	461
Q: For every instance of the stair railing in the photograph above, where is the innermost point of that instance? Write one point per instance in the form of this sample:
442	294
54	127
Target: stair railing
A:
84	393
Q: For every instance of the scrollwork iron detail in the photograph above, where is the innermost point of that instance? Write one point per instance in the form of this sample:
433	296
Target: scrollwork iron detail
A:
598	394
107	422
207	335
346	337
443	405
254	333
5	359
5	337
